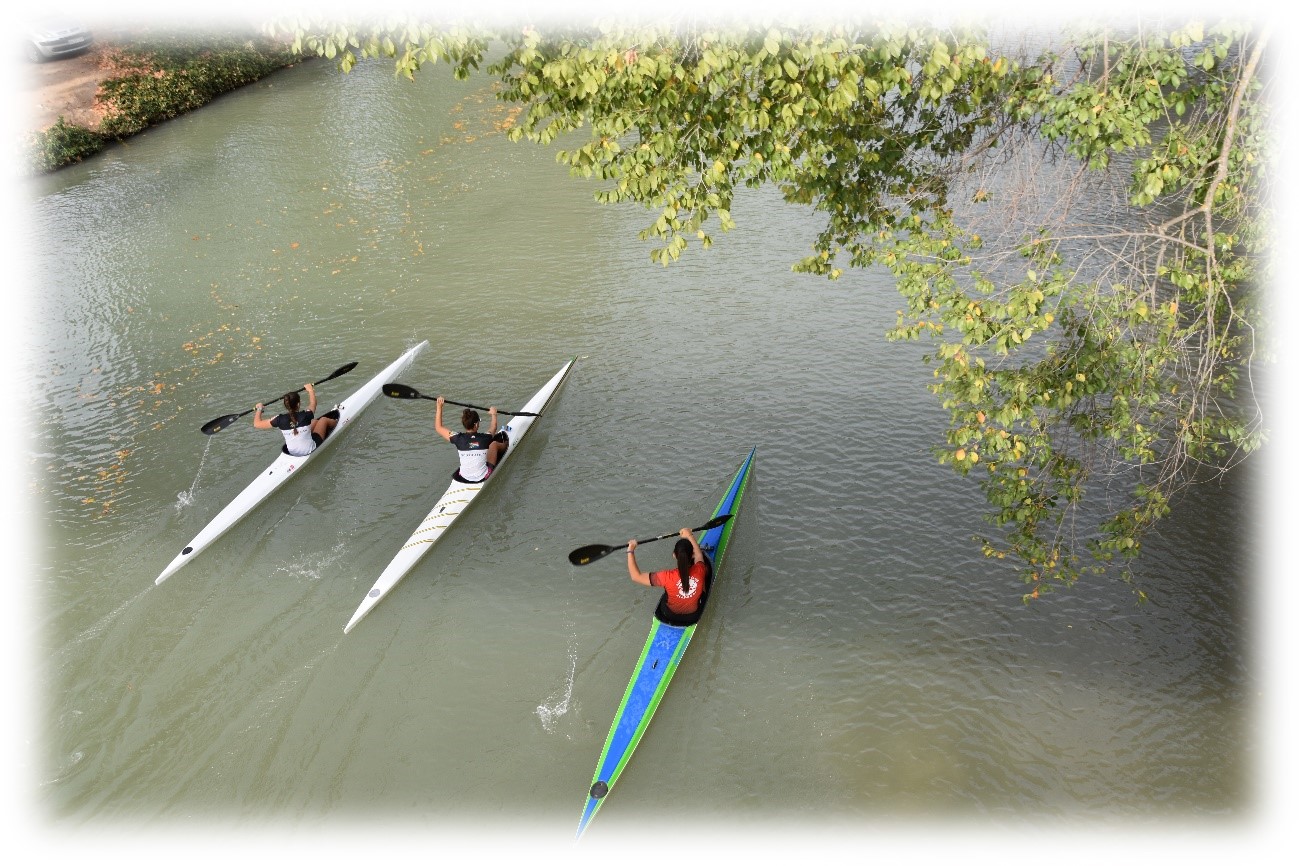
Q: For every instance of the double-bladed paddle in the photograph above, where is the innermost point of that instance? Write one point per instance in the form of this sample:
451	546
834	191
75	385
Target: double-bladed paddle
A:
406	392
592	552
218	424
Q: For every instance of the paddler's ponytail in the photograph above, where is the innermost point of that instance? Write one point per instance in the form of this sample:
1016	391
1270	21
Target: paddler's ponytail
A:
293	402
685	553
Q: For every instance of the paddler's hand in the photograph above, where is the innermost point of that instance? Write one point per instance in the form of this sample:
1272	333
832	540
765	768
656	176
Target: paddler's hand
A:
631	545
441	401
686	533
311	389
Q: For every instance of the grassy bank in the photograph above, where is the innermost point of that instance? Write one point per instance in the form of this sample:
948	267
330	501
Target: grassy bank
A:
158	77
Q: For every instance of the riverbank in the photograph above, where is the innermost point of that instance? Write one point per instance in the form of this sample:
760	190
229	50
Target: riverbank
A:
64	88
126	83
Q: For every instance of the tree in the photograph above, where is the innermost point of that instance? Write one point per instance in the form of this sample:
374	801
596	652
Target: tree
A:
1092	364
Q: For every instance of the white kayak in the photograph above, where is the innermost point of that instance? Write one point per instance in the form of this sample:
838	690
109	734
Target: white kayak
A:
286	465
453	503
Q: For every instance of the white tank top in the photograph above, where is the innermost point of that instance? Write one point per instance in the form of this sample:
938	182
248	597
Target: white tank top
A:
298	439
473	454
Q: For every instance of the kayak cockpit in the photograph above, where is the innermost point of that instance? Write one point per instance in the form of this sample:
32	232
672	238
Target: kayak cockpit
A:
667	617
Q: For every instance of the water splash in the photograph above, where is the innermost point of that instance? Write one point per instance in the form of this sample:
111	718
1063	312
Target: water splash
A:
186	497
313	565
556	707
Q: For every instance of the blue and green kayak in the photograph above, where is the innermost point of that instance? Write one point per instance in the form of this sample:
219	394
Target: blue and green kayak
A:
658	662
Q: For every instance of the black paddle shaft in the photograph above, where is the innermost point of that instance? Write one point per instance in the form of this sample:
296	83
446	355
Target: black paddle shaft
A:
216	425
406	392
592	552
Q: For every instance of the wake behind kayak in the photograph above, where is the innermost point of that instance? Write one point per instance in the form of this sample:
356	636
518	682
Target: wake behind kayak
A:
286	466
453	503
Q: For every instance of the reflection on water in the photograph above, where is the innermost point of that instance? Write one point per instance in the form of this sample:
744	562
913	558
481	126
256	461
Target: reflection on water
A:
861	659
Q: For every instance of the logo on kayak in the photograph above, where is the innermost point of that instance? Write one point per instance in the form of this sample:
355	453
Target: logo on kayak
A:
374	593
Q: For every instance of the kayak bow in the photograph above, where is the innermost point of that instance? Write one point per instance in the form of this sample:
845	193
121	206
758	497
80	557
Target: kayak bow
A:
659	660
453	503
286	466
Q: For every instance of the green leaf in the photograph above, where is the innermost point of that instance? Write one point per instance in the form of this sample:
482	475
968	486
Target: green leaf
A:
875	133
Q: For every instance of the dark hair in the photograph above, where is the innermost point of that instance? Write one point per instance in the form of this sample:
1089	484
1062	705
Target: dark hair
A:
685	553
469	418
292	402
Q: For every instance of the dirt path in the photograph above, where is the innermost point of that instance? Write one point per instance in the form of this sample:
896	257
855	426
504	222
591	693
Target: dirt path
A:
64	88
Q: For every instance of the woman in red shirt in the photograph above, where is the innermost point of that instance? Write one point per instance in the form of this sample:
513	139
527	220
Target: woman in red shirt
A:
684	585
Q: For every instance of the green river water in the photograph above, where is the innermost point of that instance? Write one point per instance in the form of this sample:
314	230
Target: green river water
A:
864	677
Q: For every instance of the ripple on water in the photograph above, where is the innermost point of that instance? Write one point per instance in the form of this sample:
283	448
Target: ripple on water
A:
860	654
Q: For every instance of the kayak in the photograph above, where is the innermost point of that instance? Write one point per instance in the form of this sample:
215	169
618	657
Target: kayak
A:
658	661
286	465
453	503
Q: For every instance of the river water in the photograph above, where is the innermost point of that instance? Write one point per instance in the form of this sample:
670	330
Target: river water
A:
864	673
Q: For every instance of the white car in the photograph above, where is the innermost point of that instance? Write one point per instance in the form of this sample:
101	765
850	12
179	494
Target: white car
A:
51	38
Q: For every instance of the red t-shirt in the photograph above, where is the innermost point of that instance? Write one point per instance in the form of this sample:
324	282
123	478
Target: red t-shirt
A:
670	581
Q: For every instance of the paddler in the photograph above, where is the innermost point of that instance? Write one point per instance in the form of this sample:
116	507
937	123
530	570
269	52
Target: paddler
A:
479	452
685	585
302	430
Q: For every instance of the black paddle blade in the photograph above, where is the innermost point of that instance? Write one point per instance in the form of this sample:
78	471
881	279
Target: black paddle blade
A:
216	425
346	368
400	391
591	553
714	523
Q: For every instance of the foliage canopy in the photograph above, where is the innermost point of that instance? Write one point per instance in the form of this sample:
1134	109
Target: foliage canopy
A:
1093	360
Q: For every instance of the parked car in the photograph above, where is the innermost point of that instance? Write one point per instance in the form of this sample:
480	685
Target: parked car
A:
50	38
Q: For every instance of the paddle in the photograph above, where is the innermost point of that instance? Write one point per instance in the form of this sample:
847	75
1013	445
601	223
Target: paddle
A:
592	552
406	392
218	424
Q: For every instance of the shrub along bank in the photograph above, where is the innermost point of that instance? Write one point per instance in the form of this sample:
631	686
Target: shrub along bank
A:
158	77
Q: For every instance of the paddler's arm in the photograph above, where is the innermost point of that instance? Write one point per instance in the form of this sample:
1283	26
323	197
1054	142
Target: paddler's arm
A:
632	568
492	432
311	395
437	421
258	421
